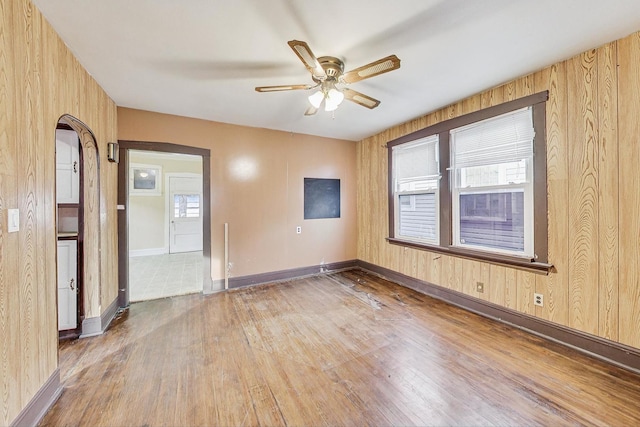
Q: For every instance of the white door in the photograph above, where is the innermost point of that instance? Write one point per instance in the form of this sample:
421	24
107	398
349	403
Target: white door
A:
67	285
185	214
67	166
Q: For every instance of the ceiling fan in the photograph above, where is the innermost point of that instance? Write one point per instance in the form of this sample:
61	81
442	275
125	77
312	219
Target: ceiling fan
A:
330	79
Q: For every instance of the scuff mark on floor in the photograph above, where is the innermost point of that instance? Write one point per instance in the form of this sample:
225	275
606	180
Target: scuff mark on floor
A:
397	297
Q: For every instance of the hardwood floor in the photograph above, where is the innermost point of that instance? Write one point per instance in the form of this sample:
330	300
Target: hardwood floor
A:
342	349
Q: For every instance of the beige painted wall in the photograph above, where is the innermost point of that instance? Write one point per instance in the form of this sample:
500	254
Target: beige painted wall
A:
257	188
40	80
593	189
147	227
146	222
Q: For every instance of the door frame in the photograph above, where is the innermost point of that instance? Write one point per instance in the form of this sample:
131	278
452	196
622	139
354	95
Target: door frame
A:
123	209
167	201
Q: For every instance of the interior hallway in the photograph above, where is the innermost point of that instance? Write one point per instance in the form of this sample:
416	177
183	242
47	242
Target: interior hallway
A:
339	349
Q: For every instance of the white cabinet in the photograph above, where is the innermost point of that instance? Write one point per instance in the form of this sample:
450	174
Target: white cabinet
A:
67	284
67	192
67	166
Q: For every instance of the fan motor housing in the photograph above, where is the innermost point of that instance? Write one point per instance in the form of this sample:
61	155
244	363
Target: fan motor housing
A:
332	66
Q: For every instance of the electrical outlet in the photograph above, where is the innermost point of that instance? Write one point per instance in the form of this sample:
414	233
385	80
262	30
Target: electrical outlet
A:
538	299
298	230
480	287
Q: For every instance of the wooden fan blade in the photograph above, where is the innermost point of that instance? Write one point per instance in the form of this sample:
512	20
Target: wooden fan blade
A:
360	98
373	69
308	58
311	111
281	88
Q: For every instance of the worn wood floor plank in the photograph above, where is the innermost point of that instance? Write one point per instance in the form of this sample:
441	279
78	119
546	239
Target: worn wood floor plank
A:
341	349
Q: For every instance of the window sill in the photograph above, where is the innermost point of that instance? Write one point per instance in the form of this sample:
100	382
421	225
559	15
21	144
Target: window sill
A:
508	261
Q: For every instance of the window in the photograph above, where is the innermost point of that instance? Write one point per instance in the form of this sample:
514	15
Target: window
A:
186	205
475	185
145	180
416	176
492	195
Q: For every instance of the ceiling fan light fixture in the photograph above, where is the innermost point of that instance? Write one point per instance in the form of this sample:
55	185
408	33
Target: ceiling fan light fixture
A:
335	96
316	99
330	106
327	72
333	99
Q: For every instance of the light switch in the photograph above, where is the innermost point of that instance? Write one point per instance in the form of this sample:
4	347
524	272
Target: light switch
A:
13	219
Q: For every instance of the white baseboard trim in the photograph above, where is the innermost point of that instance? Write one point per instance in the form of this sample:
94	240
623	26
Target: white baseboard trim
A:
147	252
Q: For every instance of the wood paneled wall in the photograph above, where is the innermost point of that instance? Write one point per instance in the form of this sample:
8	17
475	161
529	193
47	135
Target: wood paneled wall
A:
40	80
593	188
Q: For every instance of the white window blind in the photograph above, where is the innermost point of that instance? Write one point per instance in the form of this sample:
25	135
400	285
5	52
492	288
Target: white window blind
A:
502	139
416	162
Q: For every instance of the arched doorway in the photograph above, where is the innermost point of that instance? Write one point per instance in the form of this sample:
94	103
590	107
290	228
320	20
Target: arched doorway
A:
79	214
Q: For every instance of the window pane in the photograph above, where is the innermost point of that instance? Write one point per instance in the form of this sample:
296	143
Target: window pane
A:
144	179
417	216
498	174
186	205
493	220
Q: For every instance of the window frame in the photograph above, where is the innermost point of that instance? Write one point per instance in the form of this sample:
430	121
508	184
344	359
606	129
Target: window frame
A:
526	187
157	188
412	193
529	244
540	236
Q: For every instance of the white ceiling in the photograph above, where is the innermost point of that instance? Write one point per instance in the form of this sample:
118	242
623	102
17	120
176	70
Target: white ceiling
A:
203	58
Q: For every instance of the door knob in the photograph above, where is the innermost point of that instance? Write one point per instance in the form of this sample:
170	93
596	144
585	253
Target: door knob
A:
71	282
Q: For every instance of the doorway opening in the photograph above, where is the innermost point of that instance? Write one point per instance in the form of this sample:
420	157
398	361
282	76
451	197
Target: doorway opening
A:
77	223
165	224
164	229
